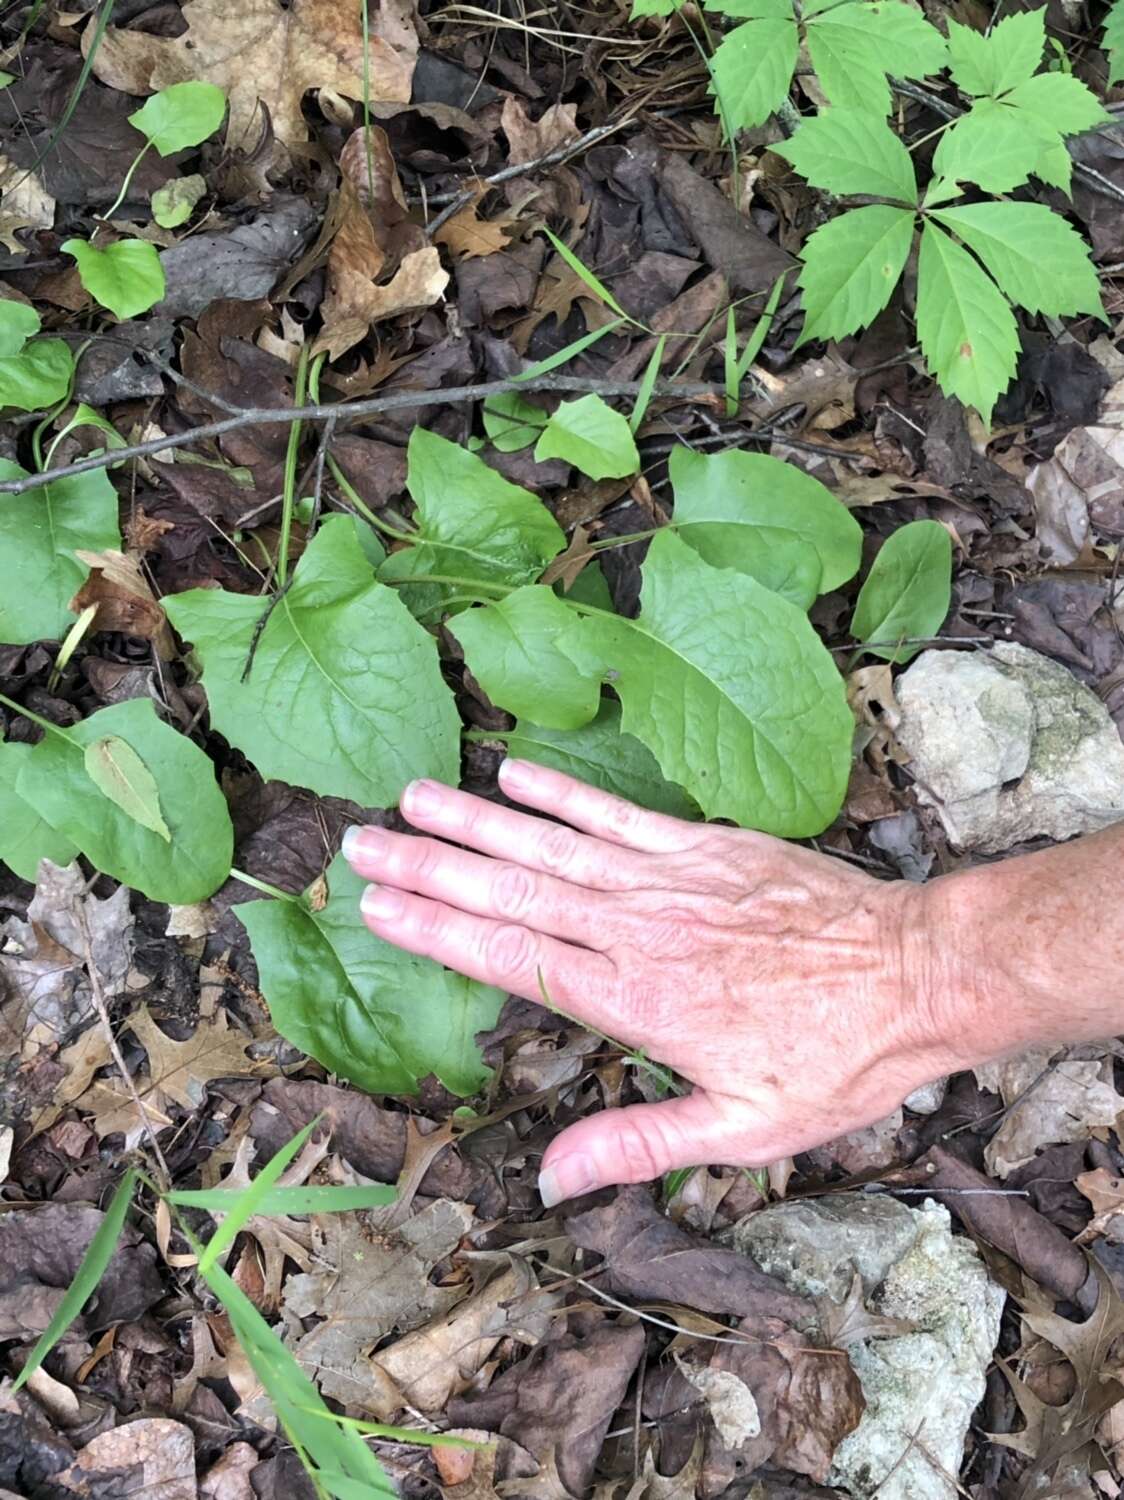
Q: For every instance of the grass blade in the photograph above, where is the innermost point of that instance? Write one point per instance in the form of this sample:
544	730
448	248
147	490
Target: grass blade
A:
580	269
245	1201
402	1434
730	365
757	338
287	1200
552	361
98	1255
648	384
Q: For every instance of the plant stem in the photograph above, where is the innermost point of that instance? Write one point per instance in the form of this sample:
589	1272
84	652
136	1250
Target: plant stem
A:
265	887
367	103
289	482
117	202
35	718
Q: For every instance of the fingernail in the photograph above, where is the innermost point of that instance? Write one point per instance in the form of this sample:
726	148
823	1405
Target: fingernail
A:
381	903
358	842
421	797
515	775
569	1177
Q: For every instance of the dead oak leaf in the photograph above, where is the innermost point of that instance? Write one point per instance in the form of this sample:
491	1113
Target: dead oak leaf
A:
124	600
467	235
355	301
1106	1193
529	139
262	53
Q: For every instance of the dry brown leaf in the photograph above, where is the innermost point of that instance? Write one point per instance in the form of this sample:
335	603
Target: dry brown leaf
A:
1079	488
529	139
374	178
153	1456
466	234
1106	1193
24	204
849	1321
80	1062
1049	1099
229	1479
124	600
265	53
355	302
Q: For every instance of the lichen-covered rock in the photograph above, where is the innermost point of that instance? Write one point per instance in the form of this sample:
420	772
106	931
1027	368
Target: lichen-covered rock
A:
1007	745
921	1387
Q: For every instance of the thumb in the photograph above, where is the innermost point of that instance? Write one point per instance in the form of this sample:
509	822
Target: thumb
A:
645	1140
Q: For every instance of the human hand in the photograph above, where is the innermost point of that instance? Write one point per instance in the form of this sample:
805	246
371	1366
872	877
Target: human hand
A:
794	992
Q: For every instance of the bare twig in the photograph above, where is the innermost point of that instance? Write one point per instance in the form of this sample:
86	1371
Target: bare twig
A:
273	416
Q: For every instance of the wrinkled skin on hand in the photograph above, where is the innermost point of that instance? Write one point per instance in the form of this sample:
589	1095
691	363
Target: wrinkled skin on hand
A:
792	991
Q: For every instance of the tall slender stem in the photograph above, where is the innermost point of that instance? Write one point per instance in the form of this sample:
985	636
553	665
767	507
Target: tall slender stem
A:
289	482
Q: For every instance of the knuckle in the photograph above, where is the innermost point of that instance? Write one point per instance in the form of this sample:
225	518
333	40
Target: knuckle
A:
513	891
636	1148
558	849
421	857
621	817
510	951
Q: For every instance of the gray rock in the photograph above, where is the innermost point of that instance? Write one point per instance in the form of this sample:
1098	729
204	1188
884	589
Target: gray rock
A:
1008	746
928	1098
921	1387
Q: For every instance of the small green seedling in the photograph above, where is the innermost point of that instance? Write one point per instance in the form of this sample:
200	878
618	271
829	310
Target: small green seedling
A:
34	373
126	276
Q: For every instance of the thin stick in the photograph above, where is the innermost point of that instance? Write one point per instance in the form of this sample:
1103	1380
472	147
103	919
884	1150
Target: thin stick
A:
273	416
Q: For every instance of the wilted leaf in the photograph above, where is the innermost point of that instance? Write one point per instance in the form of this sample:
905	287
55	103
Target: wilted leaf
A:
356	301
116	769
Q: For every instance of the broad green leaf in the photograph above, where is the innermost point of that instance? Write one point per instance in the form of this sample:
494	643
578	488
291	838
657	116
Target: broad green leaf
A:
98	1255
1061	101
751	71
602	755
25	838
118	772
126	277
907	592
653	8
589	587
40	531
853	47
246	1200
174	203
472	522
18	323
344	694
765	518
999	147
179	116
851	266
593	437
1039	261
366	1010
1114	41
511	648
993	64
849	151
966	328
512	422
730	688
38	376
193	863
753	10
278	1202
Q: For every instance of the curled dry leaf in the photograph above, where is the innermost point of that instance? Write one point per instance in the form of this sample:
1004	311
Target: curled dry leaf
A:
529	139
1049	1099
266	55
1077	490
356	301
26	204
124	600
1106	1193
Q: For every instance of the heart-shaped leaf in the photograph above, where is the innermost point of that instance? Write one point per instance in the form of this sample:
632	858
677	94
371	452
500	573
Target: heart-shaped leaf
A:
126	277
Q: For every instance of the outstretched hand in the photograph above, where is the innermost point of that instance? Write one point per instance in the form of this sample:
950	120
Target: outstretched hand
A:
792	991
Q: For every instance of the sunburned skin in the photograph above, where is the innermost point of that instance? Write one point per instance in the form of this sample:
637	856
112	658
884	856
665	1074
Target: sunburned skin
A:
800	997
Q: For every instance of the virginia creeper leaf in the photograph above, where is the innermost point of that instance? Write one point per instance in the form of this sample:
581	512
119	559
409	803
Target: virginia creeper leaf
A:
25	838
853	47
907	592
181	115
1039	261
117	770
732	691
600	754
1114	41
766	518
511	649
1061	101
40	531
753	10
993	64
366	1010
751	70
851	151
593	437
126	277
344	694
851	267
193	863
999	147
966	328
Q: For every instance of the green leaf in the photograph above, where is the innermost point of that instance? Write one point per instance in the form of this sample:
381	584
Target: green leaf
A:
907	592
653	8
344	695
966	328
38	376
179	116
118	772
126	277
849	151
993	64
512	422
853	47
174	203
1114	41
1039	261
765	518
730	688
366	1010
851	266
511	647
193	863
98	1254
40	531
18	323
600	754
279	1202
472	522
25	838
999	147
593	437
752	10
245	1201
751	71
1061	101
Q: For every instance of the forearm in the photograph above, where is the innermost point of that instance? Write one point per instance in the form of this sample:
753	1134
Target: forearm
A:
1029	950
